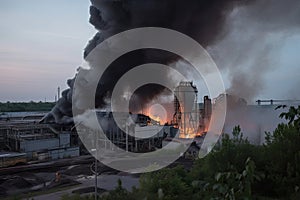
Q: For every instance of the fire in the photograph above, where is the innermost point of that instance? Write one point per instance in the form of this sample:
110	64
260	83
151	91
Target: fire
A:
189	133
157	113
155	118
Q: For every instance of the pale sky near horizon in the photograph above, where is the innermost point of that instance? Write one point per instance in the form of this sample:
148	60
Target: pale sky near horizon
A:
42	42
41	46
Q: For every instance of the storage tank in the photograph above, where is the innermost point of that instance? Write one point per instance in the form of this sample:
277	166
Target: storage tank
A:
186	116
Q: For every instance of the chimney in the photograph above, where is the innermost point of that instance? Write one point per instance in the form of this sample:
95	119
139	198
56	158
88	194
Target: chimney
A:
58	92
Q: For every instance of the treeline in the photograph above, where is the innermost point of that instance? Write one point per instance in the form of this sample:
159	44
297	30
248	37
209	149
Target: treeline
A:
26	106
234	170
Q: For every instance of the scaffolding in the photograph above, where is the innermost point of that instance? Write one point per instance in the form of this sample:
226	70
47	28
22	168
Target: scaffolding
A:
272	101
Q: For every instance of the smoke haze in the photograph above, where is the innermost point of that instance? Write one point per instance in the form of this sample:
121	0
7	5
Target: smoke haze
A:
251	47
241	35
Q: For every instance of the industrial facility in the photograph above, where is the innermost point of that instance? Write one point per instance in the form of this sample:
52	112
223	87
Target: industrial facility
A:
190	120
24	138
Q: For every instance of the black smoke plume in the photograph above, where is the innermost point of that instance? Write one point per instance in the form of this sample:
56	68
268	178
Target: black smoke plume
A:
207	21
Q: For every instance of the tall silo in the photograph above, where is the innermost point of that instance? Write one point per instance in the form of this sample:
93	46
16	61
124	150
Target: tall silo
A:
186	116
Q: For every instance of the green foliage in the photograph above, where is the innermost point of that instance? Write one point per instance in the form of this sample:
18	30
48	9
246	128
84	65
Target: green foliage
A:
231	155
231	184
169	182
293	116
229	171
238	136
235	169
26	106
283	157
236	185
283	160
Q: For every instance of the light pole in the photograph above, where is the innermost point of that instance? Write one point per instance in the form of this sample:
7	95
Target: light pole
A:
96	165
95	172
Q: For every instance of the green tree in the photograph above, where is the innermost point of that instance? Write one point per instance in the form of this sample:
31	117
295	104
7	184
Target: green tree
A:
235	169
283	156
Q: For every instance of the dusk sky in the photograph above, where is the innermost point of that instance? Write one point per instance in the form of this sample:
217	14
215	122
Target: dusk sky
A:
41	45
42	42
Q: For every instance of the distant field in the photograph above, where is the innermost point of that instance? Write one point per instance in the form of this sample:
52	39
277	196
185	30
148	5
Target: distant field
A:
26	106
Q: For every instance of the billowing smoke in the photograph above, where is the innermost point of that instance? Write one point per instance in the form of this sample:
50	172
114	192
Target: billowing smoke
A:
215	24
202	20
251	47
254	120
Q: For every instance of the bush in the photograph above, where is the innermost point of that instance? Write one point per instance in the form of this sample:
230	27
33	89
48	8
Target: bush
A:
235	169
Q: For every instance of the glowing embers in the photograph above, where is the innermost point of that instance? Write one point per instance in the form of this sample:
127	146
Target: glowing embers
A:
158	114
186	116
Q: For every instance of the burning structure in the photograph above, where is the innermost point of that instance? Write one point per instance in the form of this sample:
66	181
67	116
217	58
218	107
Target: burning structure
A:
202	20
186	116
190	117
206	21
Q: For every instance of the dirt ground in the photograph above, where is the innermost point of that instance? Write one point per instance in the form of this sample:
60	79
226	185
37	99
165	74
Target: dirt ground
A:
30	179
42	179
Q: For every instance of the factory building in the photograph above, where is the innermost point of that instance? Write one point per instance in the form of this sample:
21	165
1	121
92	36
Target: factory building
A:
186	116
254	120
205	112
37	141
22	136
192	118
144	133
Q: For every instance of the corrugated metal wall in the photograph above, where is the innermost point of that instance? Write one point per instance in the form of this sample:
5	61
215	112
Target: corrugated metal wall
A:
64	153
38	145
64	140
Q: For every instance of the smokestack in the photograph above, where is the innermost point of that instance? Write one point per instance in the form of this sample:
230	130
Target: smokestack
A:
202	20
207	21
58	92
207	107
